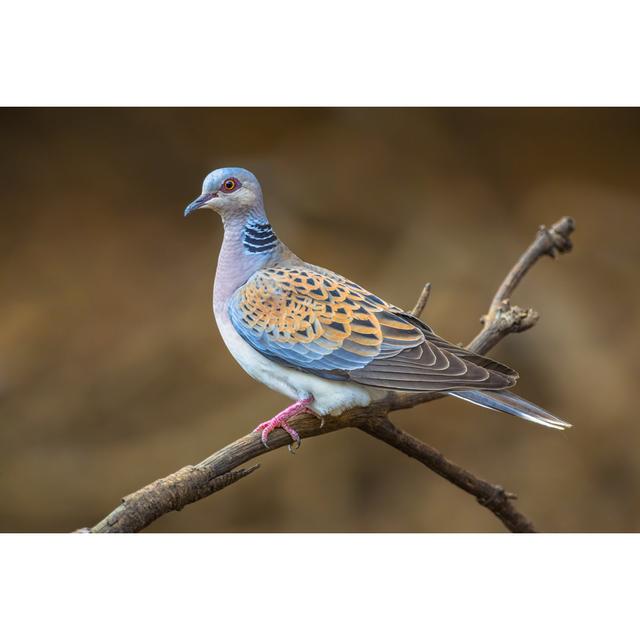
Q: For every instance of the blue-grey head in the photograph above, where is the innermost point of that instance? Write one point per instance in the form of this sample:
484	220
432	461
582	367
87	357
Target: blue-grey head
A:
230	191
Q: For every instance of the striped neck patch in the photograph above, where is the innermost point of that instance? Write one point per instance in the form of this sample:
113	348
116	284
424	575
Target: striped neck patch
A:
258	237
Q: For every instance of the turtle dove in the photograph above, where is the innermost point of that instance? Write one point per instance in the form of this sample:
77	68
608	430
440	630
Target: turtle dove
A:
322	340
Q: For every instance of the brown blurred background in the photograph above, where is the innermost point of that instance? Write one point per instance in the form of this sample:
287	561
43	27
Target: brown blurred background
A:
112	372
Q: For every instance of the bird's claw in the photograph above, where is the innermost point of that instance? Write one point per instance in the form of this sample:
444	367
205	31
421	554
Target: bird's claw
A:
296	445
297	441
271	425
280	421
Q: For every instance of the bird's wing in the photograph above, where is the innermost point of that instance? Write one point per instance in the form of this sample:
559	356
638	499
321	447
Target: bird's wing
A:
320	323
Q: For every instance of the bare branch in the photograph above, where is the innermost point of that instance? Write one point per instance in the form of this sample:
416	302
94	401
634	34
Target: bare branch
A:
491	496
502	318
422	301
172	493
218	471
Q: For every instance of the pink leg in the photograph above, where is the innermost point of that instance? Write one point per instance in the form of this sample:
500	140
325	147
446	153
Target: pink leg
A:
280	421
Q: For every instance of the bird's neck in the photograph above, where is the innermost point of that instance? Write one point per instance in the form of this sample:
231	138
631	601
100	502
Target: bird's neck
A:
249	244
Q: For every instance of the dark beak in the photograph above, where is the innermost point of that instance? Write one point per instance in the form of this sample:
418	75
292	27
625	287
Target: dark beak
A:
198	203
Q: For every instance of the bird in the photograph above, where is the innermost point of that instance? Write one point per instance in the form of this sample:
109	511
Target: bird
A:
321	339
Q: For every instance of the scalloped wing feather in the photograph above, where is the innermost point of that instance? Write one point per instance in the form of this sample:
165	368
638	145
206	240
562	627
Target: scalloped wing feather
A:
321	323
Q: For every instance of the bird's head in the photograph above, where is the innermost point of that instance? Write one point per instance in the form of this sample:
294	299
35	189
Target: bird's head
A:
230	191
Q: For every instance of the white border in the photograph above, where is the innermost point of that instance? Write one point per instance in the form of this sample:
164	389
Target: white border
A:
319	586
285	52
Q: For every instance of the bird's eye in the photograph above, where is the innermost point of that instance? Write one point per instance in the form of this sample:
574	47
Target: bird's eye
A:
229	185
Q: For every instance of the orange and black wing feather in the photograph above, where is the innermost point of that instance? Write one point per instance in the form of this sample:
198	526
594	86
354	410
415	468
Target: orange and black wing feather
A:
320	323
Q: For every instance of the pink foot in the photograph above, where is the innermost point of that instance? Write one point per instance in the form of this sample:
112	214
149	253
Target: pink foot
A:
280	421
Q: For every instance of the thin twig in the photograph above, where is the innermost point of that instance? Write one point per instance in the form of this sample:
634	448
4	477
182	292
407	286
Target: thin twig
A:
502	318
422	300
218	470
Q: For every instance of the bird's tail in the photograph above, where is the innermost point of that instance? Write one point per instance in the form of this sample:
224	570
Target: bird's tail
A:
508	402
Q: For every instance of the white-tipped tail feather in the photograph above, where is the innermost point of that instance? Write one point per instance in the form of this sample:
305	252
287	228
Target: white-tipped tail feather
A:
508	402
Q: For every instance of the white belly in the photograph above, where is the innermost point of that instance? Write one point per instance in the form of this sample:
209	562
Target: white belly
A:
329	396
